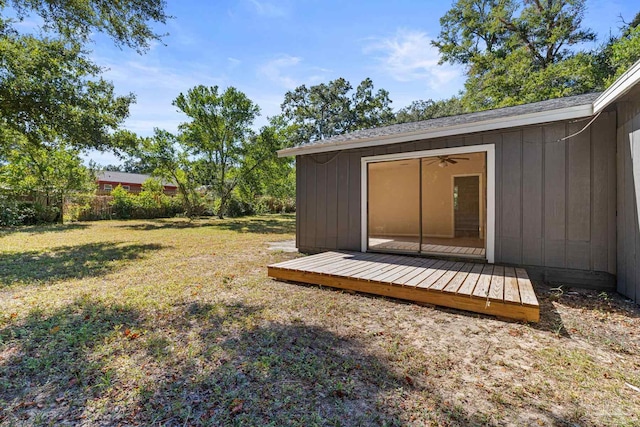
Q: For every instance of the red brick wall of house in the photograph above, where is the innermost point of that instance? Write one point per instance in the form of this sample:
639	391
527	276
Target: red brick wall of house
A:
133	188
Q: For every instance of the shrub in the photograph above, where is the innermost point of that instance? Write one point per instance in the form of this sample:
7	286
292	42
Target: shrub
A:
122	202
14	212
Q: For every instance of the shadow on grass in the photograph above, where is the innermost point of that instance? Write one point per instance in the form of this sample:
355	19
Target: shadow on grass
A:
211	364
50	371
265	373
41	229
284	224
68	262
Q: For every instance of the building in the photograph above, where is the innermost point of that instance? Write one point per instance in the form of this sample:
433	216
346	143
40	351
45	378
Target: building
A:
551	186
108	180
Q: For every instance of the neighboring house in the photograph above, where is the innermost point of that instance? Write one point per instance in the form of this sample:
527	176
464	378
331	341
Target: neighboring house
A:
552	186
132	182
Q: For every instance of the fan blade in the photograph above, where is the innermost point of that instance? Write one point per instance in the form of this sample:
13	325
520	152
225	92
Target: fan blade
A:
459	158
453	162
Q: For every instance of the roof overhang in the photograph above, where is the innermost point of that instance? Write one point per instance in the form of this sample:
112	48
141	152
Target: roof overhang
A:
621	86
568	113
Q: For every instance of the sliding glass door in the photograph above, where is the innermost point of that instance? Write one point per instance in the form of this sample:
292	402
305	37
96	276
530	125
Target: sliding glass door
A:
394	205
433	205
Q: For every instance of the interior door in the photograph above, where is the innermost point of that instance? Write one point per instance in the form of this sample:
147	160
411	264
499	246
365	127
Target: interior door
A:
466	206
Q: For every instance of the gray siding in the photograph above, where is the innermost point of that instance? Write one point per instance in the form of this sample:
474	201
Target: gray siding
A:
555	201
628	140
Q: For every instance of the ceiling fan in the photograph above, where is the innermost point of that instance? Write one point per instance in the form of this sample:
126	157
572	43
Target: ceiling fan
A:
444	161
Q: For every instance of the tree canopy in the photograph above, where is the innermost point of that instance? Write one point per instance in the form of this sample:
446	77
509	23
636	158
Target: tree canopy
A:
50	89
324	110
429	109
128	23
517	52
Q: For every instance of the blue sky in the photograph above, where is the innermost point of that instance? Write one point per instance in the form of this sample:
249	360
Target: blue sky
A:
267	47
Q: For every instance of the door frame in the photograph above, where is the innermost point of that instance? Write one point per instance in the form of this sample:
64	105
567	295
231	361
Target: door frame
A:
481	203
490	151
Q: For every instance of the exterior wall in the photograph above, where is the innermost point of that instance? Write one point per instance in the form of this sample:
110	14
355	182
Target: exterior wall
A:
133	188
555	200
628	139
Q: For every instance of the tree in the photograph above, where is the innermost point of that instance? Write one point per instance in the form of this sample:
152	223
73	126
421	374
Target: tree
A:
128	23
46	173
163	152
50	88
263	172
515	53
219	135
620	53
325	110
430	109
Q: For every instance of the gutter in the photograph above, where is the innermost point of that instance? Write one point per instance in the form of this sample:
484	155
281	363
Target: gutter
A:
567	113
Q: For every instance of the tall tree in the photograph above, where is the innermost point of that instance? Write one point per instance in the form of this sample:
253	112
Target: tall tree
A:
49	87
128	23
263	172
163	152
325	110
518	52
51	90
219	134
430	109
620	52
46	173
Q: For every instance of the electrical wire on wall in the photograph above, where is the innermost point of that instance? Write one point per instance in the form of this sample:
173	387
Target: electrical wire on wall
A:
336	154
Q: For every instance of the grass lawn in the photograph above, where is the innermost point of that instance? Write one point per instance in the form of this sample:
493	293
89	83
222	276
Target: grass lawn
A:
170	322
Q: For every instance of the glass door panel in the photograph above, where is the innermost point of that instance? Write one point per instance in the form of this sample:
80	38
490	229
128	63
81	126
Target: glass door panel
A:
394	206
453	209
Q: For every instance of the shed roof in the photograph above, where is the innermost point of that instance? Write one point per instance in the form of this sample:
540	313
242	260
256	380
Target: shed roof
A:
126	178
567	108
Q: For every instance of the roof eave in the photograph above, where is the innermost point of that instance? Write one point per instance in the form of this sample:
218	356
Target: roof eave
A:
567	113
622	85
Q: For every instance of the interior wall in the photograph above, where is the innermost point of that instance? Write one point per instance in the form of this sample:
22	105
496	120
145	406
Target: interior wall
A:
394	198
437	192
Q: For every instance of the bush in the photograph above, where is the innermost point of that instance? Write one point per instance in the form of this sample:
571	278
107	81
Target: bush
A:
150	203
270	204
122	202
237	207
14	212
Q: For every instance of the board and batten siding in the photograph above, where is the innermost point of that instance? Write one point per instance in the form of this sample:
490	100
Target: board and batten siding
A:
628	140
555	200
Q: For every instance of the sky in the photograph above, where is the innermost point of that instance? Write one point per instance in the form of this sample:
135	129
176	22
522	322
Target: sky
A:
267	47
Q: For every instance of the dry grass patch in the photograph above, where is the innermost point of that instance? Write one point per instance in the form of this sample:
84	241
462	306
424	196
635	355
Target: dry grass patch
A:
172	322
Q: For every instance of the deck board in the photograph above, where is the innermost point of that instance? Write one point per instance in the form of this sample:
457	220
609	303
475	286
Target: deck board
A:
482	288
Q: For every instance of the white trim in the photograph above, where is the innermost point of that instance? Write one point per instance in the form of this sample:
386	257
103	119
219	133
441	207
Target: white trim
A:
621	86
560	114
491	187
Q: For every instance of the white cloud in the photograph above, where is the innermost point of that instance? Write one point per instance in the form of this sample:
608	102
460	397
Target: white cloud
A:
289	72
269	9
278	71
409	56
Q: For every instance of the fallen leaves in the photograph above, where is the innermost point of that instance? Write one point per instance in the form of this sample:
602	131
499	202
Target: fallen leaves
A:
236	406
131	335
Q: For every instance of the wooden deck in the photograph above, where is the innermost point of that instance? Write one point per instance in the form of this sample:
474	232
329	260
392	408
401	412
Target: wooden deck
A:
428	249
481	288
